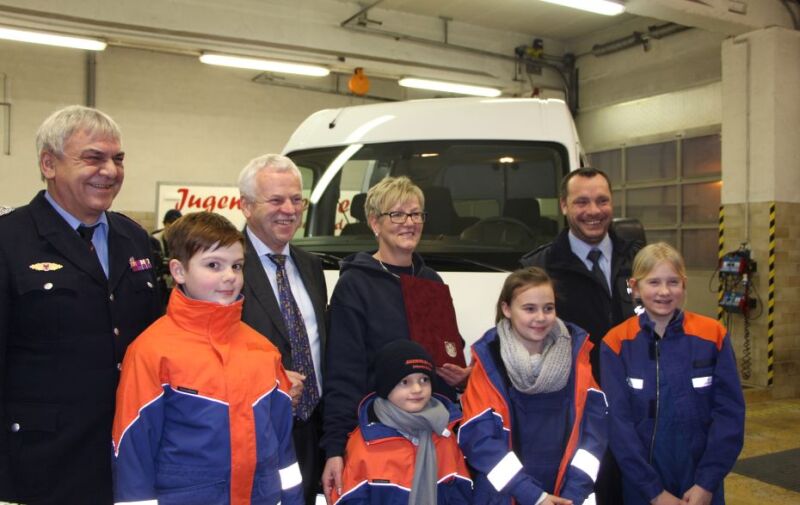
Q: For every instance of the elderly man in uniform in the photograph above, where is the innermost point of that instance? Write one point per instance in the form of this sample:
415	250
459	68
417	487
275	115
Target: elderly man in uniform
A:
76	287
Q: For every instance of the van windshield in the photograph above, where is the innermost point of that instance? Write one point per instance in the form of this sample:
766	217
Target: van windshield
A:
488	202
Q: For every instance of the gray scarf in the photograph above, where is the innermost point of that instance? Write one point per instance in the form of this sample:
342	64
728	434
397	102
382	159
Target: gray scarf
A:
418	428
538	373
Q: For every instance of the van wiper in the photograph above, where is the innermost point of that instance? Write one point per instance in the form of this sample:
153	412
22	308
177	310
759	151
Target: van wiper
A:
457	260
328	259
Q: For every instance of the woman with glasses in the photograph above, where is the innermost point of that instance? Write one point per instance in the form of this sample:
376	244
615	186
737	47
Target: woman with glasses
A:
367	312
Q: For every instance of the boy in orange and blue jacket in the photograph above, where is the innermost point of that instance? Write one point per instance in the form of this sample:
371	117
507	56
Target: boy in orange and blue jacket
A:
203	411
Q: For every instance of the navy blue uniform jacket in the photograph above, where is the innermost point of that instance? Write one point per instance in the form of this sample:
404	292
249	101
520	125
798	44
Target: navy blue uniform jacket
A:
64	329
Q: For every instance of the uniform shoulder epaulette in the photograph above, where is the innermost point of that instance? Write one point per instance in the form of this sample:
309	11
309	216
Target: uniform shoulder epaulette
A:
6	210
128	219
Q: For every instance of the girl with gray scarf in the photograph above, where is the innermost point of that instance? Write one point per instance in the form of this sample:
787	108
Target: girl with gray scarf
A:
535	423
404	451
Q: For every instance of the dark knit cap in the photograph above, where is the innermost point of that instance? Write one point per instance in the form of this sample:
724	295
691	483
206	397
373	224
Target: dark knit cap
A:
398	359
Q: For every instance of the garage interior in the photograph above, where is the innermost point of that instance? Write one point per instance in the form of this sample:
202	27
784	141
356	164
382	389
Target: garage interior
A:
691	106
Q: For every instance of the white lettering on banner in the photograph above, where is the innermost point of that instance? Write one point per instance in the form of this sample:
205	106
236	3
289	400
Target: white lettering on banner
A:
504	471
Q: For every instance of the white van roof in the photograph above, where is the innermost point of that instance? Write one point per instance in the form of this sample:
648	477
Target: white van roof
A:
524	119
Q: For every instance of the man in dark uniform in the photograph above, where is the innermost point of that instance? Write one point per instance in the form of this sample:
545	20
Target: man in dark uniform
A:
285	296
591	267
76	287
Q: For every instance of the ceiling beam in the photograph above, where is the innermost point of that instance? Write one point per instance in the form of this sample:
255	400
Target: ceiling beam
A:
728	17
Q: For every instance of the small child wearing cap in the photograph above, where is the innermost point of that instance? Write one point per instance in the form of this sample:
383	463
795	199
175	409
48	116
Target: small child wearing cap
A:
404	450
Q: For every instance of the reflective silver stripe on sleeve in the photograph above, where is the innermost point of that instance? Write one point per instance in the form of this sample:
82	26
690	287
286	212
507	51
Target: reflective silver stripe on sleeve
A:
636	383
599	392
702	382
586	462
504	471
290	476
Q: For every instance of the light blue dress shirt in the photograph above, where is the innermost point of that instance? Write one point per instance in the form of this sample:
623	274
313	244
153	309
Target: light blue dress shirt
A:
100	237
300	296
581	250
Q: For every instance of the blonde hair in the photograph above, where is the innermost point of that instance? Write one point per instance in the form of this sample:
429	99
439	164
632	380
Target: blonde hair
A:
389	192
653	254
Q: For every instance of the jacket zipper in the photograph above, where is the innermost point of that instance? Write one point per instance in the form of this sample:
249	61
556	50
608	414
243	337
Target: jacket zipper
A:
658	394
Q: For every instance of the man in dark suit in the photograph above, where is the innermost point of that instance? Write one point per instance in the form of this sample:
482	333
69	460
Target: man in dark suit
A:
590	266
285	296
76	287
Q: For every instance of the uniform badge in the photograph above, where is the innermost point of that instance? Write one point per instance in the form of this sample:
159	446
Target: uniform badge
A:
46	267
140	265
450	348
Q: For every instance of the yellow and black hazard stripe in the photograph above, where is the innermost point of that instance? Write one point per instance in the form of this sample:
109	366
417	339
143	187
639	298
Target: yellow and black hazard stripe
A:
771	298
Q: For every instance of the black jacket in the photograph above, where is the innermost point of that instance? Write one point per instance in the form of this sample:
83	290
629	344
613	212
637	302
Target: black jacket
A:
261	309
580	298
367	312
64	329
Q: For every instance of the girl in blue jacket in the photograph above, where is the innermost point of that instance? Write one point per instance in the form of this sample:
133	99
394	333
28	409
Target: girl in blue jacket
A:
677	410
535	422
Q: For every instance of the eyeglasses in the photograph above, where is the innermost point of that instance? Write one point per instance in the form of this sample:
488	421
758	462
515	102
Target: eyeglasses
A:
399	217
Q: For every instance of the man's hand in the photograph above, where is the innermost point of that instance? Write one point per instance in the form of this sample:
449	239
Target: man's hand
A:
332	477
696	495
454	375
666	498
296	390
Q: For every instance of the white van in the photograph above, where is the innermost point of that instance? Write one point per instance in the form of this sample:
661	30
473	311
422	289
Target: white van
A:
490	170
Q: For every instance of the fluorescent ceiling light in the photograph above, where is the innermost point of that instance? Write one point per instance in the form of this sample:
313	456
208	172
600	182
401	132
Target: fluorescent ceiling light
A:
266	65
51	39
604	7
450	87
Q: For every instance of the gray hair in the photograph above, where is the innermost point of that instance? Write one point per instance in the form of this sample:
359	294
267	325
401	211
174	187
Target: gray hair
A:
267	162
56	129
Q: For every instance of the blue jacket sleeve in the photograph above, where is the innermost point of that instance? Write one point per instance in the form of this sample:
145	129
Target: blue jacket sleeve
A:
582	470
485	445
346	373
138	426
726	433
630	453
282	421
484	440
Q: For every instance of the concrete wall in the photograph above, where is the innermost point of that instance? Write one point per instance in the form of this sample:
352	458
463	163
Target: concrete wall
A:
181	120
635	97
